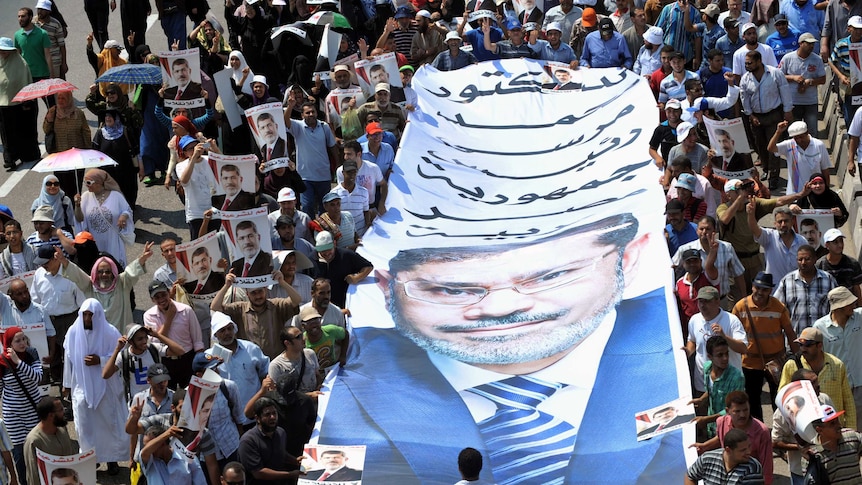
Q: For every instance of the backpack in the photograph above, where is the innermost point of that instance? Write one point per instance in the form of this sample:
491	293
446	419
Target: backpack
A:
154	352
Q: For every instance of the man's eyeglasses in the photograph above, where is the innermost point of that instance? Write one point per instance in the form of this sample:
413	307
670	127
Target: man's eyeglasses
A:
808	344
457	295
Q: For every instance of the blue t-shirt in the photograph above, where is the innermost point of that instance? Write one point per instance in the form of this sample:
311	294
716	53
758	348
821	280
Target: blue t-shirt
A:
783	45
477	40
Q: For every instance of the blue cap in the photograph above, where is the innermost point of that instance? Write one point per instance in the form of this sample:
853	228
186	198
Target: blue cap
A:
5	213
513	24
6	44
186	141
404	12
204	361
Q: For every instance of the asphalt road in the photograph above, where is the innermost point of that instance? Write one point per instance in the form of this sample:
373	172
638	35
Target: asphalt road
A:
159	213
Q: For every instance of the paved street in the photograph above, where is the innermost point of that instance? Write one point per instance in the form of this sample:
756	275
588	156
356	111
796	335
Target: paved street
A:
159	213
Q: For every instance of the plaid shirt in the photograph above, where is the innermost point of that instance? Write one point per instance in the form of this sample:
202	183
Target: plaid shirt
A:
806	301
709	467
727	263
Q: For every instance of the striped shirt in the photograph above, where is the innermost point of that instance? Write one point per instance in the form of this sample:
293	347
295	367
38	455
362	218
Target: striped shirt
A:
768	322
842	465
404	40
709	467
672	24
15	401
356	203
670	88
55	34
841	55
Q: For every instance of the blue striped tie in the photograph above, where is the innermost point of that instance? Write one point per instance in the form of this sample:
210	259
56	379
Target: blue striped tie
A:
526	445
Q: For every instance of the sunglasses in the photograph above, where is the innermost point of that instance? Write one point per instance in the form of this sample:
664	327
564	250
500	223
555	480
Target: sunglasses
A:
52	184
808	344
89	182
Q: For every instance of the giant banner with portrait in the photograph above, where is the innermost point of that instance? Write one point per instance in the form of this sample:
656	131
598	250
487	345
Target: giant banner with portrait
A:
521	298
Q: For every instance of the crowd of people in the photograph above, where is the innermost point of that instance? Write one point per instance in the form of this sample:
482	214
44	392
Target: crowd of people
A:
746	293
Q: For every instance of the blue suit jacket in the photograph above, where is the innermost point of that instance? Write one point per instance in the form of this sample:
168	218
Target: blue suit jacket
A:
392	399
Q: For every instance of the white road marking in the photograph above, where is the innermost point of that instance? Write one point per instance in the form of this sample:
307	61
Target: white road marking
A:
18	175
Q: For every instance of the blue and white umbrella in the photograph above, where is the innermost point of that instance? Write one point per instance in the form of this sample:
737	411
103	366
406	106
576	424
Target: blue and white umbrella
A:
132	74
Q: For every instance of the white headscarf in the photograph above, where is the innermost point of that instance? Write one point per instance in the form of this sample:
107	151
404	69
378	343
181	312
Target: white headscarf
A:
236	74
101	341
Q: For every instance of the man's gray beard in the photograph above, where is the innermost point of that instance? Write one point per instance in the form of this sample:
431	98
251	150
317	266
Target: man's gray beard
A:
489	350
104	285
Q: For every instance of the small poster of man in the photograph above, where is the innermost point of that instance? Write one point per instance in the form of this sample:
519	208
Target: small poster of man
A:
181	74
234	175
204	266
727	138
324	463
527	11
799	405
339	102
270	134
380	69
252	264
198	404
664	418
812	224
77	469
558	77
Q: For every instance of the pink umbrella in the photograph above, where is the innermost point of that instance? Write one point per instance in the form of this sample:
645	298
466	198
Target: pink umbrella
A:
40	89
73	159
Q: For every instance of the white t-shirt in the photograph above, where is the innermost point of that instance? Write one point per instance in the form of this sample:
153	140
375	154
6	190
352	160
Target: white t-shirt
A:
199	188
814	159
368	176
766	54
700	330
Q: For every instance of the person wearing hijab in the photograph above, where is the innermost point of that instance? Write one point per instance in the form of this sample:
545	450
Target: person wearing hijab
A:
105	213
52	195
108	58
69	126
18	131
19	361
100	411
108	285
240	77
114	140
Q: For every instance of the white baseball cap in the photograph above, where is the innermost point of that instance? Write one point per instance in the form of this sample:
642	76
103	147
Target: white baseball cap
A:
286	195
